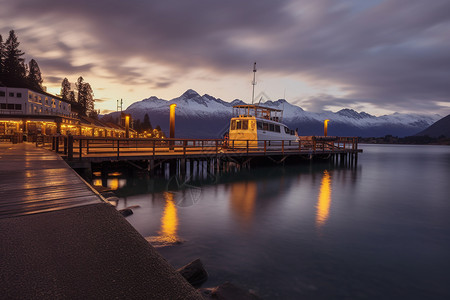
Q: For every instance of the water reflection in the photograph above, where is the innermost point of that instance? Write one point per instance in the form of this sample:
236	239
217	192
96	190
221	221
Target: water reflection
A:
169	224
324	200
242	200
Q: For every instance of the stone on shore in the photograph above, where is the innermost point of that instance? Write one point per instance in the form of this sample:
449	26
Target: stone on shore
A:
194	273
126	212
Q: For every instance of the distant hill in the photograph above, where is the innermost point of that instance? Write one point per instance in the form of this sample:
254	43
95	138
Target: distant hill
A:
208	117
440	128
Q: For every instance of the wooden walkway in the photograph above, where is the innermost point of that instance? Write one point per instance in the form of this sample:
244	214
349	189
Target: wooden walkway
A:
34	180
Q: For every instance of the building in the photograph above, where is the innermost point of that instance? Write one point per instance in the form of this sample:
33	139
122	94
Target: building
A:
28	113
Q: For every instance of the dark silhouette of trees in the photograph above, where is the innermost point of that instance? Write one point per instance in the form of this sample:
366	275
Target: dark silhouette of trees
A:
85	96
13	69
146	124
34	76
65	89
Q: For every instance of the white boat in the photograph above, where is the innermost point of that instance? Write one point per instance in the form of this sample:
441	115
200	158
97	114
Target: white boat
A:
260	126
256	126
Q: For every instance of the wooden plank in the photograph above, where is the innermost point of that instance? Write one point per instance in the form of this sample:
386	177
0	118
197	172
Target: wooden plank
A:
35	180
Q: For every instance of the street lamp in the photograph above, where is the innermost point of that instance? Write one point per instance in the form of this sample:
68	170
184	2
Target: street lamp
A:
172	121
325	127
172	125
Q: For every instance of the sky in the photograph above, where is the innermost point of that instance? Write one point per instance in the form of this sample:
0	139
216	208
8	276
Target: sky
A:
375	56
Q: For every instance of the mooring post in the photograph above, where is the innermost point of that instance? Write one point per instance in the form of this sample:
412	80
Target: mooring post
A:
70	147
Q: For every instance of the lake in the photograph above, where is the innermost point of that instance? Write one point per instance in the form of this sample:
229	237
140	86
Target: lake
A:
377	230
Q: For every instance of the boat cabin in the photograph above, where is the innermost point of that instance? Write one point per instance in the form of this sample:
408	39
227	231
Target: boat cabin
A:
255	123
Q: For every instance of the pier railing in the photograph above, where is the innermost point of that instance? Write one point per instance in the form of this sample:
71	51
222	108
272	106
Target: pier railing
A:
81	146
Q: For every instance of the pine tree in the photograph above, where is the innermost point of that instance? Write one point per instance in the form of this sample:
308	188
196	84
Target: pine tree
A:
85	97
34	76
14	65
89	94
72	96
81	98
65	89
147	125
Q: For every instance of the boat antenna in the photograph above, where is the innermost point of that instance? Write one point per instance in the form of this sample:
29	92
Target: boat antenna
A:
254	81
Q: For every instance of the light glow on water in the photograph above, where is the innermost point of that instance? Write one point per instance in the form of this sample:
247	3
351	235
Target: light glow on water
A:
324	200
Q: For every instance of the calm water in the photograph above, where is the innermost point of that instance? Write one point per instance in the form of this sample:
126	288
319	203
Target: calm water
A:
380	230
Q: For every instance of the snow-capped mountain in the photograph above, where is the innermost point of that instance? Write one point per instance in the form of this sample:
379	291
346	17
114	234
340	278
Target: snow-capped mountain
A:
208	117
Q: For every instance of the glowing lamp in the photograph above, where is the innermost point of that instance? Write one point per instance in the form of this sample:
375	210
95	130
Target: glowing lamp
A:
325	127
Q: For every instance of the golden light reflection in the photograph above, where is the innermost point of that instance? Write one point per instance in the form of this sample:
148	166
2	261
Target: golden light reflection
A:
169	224
113	183
324	201
97	182
243	198
169	220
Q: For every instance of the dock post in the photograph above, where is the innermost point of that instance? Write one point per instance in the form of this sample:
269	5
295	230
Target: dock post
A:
183	166
151	166
70	147
65	145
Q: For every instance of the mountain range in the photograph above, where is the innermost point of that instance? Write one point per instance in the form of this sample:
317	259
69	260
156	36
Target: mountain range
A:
208	117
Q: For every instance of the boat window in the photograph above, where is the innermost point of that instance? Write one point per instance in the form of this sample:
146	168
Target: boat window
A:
259	125
244	124
292	132
286	130
271	127
238	124
265	126
233	124
277	128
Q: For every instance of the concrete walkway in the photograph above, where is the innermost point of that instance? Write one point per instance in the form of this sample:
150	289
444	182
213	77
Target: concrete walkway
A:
75	250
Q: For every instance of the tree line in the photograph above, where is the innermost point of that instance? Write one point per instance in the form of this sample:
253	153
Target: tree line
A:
14	72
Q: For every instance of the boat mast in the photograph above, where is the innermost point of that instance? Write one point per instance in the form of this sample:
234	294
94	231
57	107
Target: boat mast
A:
254	81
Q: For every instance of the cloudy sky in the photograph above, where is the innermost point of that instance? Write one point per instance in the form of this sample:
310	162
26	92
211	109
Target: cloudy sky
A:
372	55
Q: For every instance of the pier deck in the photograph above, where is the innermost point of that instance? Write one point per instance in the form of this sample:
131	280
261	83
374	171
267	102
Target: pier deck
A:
60	240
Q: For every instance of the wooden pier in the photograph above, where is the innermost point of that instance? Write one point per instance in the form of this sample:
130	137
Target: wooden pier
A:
182	154
61	240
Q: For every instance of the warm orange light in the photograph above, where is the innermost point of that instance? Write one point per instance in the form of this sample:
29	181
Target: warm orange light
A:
172	120
169	220
113	183
324	201
243	197
325	127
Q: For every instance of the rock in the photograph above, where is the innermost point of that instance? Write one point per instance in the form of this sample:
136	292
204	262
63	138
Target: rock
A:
227	291
133	207
194	273
126	212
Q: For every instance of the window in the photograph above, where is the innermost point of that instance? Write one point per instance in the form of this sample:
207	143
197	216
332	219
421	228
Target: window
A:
233	125
286	130
238	124
245	124
3	106
259	125
18	106
30	96
277	128
19	95
265	126
271	127
11	94
2	94
10	106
